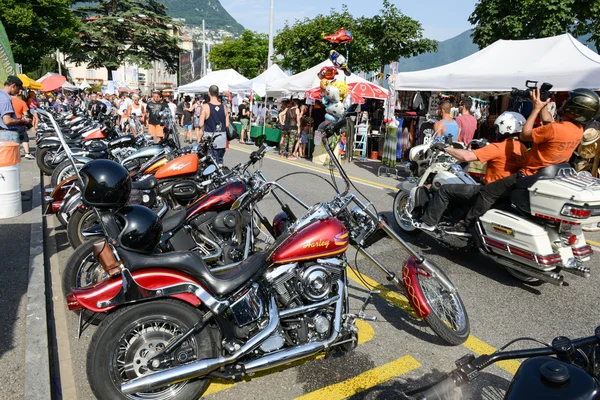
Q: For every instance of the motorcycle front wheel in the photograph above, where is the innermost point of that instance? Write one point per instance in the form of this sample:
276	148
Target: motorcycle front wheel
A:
400	201
448	317
43	158
82	269
129	337
81	220
63	170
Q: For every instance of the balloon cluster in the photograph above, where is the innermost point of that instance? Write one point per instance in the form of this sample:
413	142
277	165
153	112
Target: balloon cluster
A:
334	92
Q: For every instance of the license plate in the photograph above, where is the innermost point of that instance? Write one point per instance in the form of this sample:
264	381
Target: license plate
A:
565	228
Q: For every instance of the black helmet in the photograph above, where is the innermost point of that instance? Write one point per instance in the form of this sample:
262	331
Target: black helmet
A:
98	108
141	228
106	184
582	105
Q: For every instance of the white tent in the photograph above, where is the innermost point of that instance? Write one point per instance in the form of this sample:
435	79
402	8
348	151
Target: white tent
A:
84	85
272	74
308	79
69	86
560	60
222	78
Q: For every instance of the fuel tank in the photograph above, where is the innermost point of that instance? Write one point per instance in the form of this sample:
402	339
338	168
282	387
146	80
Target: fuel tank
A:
325	238
184	165
222	198
125	140
95	134
152	169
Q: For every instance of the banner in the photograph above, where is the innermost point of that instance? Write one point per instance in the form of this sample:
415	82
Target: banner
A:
7	63
190	66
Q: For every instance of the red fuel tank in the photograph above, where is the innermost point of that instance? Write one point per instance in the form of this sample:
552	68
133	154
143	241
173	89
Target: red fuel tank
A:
222	198
324	238
95	134
180	166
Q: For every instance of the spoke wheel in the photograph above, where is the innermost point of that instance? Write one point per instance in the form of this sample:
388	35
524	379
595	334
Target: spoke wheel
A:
448	317
400	215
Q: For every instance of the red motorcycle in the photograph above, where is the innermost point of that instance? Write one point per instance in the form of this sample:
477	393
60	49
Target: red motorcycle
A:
177	324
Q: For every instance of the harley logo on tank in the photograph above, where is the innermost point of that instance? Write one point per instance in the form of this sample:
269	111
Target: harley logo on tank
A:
319	243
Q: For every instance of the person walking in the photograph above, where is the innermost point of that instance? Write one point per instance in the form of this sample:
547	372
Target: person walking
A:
186	120
153	108
32	103
197	112
244	115
214	121
446	125
136	109
21	110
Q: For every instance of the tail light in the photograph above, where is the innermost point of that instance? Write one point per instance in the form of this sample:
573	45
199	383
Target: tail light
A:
583	251
73	303
573	211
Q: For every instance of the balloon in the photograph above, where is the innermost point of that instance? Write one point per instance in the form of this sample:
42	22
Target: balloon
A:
339	61
342	36
342	87
328	73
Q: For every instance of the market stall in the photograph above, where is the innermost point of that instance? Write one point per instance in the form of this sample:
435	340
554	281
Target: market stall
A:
222	78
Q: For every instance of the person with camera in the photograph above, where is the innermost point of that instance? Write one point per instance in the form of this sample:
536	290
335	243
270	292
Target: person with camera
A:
553	143
503	158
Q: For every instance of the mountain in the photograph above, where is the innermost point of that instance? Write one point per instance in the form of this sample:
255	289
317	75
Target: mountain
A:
213	13
452	50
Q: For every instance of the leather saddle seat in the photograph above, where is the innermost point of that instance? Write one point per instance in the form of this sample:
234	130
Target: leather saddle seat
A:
520	196
191	263
174	220
146	184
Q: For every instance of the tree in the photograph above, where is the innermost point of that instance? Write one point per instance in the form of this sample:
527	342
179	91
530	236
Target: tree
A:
37	28
247	55
377	41
115	31
394	35
527	19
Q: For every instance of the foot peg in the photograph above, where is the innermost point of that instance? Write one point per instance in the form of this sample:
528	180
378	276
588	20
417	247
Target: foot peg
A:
361	312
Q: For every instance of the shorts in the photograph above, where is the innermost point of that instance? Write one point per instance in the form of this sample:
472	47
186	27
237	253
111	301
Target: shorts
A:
196	122
156	131
187	127
304	138
245	123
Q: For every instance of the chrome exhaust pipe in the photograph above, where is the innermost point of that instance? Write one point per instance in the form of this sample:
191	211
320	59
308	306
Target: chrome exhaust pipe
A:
550	277
295	353
577	269
203	367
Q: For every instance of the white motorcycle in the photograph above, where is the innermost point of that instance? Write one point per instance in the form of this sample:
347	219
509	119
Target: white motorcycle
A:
536	236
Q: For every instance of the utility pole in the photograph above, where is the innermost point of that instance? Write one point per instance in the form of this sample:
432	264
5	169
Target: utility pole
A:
271	18
58	61
203	49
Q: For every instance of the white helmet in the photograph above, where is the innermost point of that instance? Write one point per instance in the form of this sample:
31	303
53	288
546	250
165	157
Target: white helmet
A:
509	123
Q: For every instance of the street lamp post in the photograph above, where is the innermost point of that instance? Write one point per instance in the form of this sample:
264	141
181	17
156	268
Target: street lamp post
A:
270	59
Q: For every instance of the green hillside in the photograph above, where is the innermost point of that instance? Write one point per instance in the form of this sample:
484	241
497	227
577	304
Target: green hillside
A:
213	13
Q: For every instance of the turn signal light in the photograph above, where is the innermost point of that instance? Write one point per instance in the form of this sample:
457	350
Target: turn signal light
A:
73	303
576	211
572	240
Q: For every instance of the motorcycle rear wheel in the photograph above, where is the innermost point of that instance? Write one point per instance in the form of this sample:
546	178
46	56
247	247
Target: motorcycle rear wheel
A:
43	158
131	335
400	201
82	269
448	317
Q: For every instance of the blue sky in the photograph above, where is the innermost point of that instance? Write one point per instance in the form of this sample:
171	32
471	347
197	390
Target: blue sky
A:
440	19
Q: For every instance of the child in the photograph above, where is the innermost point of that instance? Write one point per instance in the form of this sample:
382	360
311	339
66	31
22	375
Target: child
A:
300	150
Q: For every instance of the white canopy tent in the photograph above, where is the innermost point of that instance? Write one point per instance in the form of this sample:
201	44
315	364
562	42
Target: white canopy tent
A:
308	79
224	79
560	60
69	86
84	85
272	74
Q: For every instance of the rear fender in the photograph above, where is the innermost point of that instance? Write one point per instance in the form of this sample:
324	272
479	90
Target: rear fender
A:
134	287
49	144
71	203
413	289
407	186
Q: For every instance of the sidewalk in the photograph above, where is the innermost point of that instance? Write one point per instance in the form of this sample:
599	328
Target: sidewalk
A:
24	352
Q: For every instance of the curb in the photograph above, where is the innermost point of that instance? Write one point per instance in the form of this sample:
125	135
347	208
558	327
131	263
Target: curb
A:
37	356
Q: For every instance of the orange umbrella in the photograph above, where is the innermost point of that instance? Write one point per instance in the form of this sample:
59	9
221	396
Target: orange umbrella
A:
53	82
367	90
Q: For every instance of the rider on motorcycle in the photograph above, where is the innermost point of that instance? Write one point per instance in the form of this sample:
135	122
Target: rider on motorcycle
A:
503	158
553	143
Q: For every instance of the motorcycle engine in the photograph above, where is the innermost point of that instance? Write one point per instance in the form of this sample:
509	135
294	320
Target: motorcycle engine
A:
301	284
122	153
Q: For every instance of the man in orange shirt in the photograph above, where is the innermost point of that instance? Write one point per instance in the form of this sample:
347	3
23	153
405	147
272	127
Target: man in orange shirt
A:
553	143
503	159
21	109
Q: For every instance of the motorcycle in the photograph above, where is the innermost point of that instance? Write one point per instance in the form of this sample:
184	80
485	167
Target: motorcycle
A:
174	320
572	374
535	237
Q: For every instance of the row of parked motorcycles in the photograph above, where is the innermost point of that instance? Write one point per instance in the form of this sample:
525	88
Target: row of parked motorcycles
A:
189	281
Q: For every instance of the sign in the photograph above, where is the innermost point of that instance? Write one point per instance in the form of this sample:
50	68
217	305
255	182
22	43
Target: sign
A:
7	63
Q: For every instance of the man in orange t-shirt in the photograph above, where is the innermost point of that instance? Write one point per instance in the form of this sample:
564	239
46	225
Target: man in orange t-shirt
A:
21	109
553	143
503	159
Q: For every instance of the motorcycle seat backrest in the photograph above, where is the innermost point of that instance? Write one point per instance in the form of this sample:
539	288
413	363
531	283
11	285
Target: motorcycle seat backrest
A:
548	172
147	183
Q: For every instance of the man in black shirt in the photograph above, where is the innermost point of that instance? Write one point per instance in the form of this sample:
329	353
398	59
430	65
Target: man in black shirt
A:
93	104
244	115
154	107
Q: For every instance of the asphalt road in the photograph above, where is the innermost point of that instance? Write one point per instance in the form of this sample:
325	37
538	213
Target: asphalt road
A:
399	352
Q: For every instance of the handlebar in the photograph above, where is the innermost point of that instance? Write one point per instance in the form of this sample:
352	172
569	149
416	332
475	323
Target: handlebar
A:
468	367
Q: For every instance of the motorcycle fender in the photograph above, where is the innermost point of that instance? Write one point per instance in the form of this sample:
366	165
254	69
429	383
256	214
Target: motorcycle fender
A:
407	186
413	290
49	144
82	159
71	203
110	293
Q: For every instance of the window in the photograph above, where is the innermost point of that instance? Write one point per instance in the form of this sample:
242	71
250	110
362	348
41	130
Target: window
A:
90	73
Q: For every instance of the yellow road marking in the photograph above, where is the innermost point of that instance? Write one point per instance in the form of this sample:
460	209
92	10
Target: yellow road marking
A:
364	381
472	343
594	243
365	334
324	170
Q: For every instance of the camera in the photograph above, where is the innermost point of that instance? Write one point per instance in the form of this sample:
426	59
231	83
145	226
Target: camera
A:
545	92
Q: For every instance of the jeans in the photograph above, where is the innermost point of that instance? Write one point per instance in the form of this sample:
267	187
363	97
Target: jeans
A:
489	194
443	197
218	155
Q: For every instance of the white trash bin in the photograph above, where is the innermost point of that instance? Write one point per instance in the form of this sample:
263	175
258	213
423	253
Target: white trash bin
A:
10	180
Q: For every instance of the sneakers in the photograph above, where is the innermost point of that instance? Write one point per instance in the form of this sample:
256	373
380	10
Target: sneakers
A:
29	156
425	227
291	158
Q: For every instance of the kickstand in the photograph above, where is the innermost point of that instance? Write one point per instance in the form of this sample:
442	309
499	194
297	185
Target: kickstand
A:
361	312
84	323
